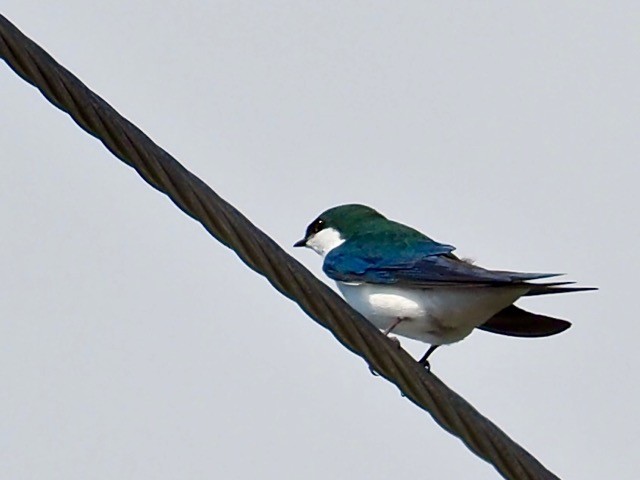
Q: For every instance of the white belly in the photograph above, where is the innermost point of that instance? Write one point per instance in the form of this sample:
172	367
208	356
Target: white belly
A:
436	315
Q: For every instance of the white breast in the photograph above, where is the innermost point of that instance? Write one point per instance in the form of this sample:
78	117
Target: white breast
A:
324	241
435	315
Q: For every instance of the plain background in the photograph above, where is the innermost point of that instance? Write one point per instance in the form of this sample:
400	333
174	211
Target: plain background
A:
134	346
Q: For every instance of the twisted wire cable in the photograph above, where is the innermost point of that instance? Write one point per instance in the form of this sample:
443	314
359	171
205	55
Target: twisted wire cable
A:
263	255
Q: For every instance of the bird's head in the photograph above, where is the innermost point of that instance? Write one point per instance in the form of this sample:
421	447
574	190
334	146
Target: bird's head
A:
335	226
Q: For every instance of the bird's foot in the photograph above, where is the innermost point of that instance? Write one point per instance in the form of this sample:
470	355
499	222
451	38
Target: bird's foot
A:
398	345
426	365
423	361
395	340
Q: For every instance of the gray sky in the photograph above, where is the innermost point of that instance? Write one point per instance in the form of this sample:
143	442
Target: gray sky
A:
133	345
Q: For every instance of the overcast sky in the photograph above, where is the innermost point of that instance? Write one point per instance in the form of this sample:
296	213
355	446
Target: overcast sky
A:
134	346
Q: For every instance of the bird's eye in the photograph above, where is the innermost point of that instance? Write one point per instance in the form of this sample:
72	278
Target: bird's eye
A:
318	225
315	227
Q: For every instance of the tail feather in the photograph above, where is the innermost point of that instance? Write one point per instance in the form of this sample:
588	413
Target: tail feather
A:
516	322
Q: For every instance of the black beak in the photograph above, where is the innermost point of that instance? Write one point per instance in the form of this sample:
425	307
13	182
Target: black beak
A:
301	243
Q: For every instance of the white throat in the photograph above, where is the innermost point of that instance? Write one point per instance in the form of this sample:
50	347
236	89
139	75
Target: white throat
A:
324	241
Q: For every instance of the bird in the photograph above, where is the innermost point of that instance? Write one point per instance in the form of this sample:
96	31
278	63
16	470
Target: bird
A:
406	283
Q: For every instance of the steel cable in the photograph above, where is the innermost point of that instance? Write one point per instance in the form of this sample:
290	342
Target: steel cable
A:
263	255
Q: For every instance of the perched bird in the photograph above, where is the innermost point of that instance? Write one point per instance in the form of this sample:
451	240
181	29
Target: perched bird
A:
404	282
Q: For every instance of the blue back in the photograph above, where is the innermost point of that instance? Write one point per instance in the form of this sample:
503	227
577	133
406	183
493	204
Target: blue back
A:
406	257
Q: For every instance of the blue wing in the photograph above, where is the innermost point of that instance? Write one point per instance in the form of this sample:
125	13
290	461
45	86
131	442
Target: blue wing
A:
391	259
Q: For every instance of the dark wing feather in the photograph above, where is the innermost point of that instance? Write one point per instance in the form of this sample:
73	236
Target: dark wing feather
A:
556	287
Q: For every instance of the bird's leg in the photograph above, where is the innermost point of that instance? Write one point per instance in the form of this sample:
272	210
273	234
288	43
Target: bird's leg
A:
423	361
393	325
390	328
386	333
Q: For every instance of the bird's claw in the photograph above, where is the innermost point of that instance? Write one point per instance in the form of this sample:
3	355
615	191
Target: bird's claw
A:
396	341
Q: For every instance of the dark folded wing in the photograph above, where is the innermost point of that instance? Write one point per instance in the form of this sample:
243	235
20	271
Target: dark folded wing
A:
425	263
